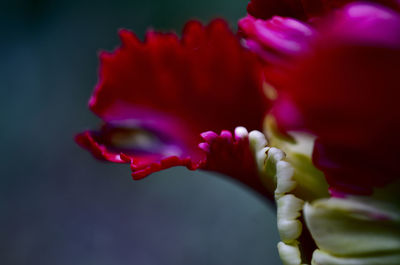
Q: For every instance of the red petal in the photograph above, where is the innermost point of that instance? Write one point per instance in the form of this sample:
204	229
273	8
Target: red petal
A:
207	74
87	141
347	93
171	90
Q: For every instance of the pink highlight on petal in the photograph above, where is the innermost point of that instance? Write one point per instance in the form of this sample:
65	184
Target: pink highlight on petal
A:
209	135
276	39
337	194
204	146
365	24
265	55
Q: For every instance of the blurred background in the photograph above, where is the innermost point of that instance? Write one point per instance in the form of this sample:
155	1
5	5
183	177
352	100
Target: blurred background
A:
58	204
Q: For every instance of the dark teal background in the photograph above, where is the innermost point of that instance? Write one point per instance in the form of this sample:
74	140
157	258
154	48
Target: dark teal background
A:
59	206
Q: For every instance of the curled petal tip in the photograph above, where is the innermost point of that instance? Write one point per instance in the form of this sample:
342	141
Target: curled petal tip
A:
209	136
204	146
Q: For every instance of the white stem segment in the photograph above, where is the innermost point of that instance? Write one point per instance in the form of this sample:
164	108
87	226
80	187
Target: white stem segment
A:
278	176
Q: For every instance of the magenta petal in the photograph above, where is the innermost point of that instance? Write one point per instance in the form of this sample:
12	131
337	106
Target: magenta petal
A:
277	41
209	135
278	36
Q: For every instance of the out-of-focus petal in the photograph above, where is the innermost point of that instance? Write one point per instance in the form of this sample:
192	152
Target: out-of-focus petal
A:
353	231
321	257
354	226
346	93
276	39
